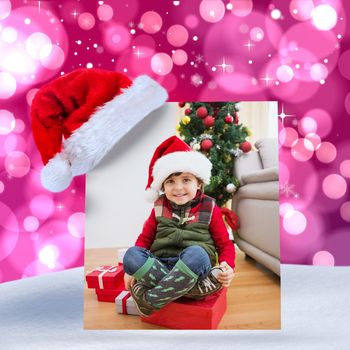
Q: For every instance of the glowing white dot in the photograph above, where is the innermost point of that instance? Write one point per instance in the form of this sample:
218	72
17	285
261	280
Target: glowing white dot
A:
322	82
325	60
195	38
38	45
276	14
213	69
75	53
133	31
27	21
95	45
324	17
250	61
294	222
125	70
9	35
295	11
176	3
31	223
339	36
48	255
229	6
297	66
89	65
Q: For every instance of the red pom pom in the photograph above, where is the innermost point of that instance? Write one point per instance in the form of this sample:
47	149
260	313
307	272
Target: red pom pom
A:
201	112
182	104
245	146
229	119
206	145
188	111
209	121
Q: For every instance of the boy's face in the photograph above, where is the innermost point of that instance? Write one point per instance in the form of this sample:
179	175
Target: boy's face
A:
182	188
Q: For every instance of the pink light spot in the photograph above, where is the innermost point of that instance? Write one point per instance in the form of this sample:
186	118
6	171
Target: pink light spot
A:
19	126
314	139
151	22
2	187
48	255
318	72
38	45
323	258
5	9
177	35
324	17
9	231
343	64
116	38
334	186
323	120
301	10
191	21
284	73
284	208
241	8
287	136
41	206
179	57
55	60
86	21
8	85
294	222
326	152
307	125
345	211
105	12
76	225
31	223
30	95
212	11
347	103
7	122
17	164
256	34
284	173
302	150
161	63
345	168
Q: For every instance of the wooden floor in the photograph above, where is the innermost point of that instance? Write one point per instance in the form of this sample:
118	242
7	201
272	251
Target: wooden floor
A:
253	298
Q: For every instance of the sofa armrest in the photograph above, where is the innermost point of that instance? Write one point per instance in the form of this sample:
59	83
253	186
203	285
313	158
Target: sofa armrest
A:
264	175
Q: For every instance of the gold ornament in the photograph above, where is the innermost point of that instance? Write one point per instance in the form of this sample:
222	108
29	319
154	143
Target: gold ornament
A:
178	127
249	132
186	120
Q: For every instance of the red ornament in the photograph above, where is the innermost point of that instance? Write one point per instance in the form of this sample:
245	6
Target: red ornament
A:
188	111
201	112
206	144
229	119
245	146
182	104
236	121
209	121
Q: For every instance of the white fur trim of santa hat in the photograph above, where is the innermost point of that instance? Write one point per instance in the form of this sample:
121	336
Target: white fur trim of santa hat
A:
87	145
187	162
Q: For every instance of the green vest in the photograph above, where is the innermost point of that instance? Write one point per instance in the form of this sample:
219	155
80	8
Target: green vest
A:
179	227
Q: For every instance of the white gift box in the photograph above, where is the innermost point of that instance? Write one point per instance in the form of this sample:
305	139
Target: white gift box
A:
120	254
125	304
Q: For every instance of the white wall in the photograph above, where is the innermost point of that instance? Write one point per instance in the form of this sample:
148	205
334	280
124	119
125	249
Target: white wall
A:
115	205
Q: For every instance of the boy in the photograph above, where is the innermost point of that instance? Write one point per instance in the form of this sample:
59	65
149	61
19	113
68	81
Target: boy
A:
183	238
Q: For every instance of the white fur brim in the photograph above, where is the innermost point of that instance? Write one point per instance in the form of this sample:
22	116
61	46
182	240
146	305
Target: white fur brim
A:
56	175
188	162
86	147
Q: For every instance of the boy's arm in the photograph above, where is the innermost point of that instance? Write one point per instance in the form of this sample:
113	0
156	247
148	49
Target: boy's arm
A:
147	236
224	246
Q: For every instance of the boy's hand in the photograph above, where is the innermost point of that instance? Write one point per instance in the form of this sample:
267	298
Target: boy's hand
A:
129	281
225	277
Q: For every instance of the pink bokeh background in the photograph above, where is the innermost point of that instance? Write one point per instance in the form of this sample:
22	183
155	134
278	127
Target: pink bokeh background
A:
296	52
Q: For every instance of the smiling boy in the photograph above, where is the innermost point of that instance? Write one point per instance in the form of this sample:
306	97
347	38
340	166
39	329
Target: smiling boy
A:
184	237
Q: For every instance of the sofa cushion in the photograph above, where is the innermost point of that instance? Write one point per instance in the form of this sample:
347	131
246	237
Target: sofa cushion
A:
264	175
268	150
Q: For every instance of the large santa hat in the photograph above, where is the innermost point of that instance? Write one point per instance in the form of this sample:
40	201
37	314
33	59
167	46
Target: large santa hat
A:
172	156
91	109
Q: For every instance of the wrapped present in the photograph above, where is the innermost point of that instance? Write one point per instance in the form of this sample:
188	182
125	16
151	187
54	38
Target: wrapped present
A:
191	314
125	304
105	277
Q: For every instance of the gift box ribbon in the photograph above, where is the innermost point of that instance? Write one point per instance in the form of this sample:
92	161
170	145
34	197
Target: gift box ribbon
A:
124	296
104	270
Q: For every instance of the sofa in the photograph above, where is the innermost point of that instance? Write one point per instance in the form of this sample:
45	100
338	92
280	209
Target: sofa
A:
257	204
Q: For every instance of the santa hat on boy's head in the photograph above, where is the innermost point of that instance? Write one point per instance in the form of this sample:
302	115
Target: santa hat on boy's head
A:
172	156
91	109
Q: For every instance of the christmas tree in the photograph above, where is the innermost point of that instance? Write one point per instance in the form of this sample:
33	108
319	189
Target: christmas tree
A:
213	128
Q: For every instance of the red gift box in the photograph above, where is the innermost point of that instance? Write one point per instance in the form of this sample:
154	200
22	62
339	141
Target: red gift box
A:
105	277
191	314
